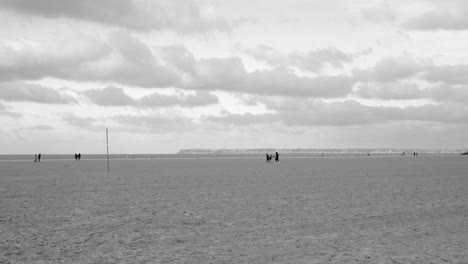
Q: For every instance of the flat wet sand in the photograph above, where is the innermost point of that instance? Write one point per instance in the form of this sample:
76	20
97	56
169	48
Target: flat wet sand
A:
302	210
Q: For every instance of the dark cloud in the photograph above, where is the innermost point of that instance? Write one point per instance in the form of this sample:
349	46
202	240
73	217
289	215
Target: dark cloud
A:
184	16
21	91
110	96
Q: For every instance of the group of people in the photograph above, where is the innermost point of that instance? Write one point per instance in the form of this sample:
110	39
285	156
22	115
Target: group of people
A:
37	157
414	154
269	157
78	156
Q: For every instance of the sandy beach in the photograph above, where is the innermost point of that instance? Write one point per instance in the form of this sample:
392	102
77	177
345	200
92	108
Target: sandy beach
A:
302	210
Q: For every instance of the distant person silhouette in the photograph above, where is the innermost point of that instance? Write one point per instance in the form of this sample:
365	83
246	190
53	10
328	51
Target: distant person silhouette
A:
35	158
39	157
267	158
79	156
76	156
276	156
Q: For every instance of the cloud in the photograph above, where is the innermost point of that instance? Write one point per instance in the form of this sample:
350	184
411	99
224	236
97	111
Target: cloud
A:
313	61
122	58
76	121
439	20
155	124
115	96
229	74
109	96
184	16
130	62
448	74
382	12
21	91
39	127
200	98
49	58
160	100
389	91
391	69
445	93
4	111
316	113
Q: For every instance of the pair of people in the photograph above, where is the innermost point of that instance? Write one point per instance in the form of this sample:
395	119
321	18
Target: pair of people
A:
37	157
78	156
269	157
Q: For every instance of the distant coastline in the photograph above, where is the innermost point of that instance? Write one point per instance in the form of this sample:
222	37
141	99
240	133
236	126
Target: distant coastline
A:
318	151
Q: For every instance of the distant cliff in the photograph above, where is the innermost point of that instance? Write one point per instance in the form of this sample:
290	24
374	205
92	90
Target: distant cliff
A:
465	153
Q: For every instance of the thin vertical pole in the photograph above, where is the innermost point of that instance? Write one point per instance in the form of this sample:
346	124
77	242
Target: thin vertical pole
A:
107	142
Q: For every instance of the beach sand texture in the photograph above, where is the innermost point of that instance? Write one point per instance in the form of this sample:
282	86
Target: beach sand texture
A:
302	210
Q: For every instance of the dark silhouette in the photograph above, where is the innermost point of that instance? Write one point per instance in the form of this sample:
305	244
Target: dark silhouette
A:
39	157
35	158
79	156
76	156
269	157
276	156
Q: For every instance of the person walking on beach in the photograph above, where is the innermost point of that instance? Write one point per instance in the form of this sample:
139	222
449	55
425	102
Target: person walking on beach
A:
79	156
76	156
35	158
276	156
39	157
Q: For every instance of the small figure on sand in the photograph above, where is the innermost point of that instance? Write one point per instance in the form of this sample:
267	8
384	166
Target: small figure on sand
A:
39	157
79	156
276	156
76	156
35	158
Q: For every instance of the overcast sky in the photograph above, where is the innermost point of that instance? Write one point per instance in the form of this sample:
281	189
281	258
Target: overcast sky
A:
164	75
